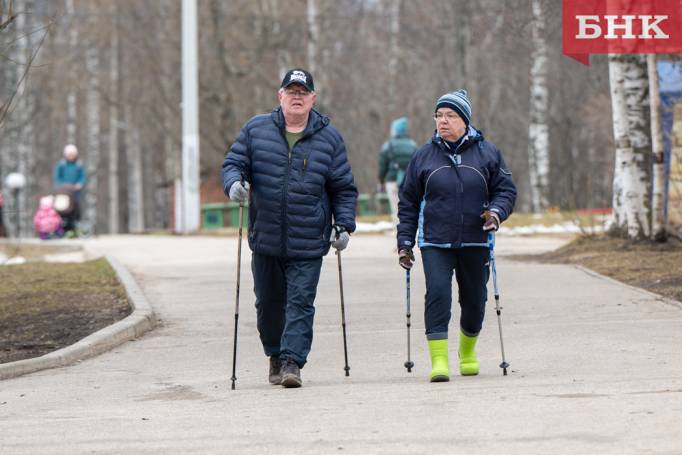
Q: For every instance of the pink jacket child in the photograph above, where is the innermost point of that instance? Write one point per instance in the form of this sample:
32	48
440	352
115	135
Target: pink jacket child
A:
47	221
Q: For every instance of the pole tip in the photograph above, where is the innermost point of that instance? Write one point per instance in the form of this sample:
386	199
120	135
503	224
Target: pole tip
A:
504	366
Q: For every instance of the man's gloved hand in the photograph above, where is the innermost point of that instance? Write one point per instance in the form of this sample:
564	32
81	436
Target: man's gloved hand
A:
492	221
239	191
340	237
406	258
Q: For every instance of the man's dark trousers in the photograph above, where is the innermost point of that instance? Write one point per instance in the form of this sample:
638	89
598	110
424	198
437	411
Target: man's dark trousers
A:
285	293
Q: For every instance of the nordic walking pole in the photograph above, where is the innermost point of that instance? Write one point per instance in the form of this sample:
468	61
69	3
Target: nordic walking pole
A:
409	364
236	306
343	316
498	309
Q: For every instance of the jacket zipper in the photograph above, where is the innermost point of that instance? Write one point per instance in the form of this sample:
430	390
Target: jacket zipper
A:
284	196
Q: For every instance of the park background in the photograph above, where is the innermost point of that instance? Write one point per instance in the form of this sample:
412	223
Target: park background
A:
106	76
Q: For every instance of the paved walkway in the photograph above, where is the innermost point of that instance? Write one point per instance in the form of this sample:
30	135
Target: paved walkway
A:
595	367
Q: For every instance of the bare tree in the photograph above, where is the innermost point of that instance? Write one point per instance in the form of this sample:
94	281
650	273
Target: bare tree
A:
113	114
538	152
7	14
629	94
111	69
658	228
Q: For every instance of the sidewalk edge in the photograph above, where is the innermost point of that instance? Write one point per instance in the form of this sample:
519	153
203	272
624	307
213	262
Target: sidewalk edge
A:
141	320
648	293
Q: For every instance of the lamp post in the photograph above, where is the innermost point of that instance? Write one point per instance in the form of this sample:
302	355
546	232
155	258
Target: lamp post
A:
15	181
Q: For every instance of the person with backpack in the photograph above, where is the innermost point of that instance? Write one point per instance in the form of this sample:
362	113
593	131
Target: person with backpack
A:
457	189
394	157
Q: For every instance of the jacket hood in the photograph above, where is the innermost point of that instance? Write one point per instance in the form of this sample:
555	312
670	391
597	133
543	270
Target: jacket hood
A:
399	127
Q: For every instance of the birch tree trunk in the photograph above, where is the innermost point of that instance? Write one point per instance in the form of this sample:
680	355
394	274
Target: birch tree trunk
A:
463	15
658	228
394	56
618	222
166	173
23	51
134	168
313	36
636	85
538	130
93	128
71	97
629	98
114	210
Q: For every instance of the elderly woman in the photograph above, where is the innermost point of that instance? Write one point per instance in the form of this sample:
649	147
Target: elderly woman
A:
457	189
70	176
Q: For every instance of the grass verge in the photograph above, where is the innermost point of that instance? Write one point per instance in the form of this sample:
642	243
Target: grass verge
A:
47	306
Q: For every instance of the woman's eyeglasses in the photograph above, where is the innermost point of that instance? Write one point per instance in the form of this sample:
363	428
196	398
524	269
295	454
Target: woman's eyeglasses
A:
450	116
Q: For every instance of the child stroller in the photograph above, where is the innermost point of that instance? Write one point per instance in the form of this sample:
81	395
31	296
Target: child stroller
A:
66	205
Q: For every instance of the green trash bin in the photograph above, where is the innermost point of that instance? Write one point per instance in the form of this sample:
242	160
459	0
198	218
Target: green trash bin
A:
363	205
382	204
212	215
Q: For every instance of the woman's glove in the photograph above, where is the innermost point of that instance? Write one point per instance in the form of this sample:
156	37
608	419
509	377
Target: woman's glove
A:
406	258
492	221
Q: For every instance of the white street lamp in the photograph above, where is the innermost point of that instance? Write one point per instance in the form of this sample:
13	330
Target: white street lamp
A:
15	181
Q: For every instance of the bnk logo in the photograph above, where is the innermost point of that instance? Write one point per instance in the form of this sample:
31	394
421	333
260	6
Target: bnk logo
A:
621	27
590	27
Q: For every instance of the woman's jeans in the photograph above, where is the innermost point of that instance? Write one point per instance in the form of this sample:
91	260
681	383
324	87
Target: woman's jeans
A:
471	267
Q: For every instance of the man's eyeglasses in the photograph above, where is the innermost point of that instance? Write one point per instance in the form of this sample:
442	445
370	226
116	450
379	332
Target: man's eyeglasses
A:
296	92
450	116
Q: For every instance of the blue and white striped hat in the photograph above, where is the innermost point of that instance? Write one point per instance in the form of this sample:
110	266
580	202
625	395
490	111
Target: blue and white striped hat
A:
459	102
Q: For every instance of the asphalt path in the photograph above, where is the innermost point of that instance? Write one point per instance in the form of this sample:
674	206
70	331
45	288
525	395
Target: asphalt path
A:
595	366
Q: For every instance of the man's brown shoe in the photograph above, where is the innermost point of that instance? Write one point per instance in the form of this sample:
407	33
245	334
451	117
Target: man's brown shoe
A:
291	374
275	374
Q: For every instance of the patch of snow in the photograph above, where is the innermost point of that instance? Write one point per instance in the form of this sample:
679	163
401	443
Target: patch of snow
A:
568	227
75	256
15	260
563	228
379	226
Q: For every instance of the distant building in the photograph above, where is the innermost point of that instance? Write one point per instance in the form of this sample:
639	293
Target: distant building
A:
670	80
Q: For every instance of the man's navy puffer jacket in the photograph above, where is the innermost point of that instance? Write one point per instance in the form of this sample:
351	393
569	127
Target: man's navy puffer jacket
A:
293	197
445	192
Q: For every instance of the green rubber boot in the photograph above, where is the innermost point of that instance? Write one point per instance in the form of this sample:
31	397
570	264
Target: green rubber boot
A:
439	360
468	364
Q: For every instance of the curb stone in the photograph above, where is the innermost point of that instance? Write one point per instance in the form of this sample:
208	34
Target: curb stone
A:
141	320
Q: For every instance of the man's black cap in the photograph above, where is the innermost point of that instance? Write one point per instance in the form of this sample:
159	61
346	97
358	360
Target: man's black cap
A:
298	76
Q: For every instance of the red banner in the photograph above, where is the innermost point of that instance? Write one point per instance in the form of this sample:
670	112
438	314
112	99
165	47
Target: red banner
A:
621	27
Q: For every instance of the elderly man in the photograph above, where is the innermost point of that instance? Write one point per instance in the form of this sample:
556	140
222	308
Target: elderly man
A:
291	166
70	176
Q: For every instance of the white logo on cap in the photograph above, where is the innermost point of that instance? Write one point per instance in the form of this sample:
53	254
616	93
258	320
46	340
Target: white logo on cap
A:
298	76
